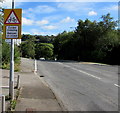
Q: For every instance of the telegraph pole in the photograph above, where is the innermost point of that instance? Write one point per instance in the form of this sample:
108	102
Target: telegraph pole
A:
11	80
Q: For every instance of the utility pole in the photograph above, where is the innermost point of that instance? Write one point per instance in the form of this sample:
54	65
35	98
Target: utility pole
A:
11	80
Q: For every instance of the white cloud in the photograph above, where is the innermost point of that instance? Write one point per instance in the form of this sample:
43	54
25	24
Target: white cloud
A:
84	0
67	19
111	8
92	13
89	0
38	32
53	18
40	9
35	31
29	22
29	14
6	4
49	27
69	6
42	22
79	8
115	7
25	32
26	21
64	1
45	9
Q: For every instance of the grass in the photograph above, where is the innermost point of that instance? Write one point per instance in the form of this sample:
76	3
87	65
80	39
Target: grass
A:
6	66
16	66
13	104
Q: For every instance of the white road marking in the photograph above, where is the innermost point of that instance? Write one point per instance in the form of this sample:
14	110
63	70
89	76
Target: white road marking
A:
116	85
81	71
86	73
60	63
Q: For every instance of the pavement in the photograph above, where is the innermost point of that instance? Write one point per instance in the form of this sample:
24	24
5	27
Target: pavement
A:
4	85
34	94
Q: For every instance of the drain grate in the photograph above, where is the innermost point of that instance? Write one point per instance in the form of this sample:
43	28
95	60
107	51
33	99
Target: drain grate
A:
41	75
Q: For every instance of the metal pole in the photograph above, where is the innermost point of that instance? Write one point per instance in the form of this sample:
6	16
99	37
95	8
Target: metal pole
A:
11	80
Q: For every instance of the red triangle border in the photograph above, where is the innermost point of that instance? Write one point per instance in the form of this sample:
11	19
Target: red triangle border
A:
16	17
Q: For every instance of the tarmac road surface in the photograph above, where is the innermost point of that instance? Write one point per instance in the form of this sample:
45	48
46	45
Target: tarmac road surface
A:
82	86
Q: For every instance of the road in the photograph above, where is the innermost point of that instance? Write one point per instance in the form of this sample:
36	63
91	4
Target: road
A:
82	86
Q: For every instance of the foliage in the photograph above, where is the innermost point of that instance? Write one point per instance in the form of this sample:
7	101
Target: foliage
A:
39	38
13	104
91	41
63	45
28	48
17	54
44	50
5	54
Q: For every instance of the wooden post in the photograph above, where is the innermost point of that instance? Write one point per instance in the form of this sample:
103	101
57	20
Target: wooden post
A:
18	82
3	103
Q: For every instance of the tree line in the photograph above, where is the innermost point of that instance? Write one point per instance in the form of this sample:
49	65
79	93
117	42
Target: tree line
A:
36	47
90	41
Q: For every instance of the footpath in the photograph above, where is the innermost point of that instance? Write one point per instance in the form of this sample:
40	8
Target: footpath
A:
4	86
34	94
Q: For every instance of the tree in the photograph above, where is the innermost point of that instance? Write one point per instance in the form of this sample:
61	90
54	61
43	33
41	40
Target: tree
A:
86	37
5	53
63	45
108	39
91	41
28	48
44	50
17	55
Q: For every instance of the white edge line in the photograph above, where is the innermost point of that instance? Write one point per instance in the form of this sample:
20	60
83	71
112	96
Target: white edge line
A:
81	71
86	73
116	85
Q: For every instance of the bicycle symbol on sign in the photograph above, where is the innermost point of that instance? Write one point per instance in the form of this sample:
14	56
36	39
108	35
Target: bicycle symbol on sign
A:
12	20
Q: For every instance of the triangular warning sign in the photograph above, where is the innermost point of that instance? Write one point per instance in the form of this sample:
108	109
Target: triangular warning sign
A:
12	18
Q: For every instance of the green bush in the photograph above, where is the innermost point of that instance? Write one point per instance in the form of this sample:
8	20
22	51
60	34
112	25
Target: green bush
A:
28	48
5	53
5	56
44	50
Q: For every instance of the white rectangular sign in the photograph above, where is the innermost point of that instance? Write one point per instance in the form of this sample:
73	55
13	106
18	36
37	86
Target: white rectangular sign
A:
11	32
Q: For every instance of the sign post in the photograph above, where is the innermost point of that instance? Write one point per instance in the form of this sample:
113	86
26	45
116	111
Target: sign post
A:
12	30
11	79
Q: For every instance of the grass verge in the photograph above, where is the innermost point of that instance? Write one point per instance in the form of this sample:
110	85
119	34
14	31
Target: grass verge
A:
16	66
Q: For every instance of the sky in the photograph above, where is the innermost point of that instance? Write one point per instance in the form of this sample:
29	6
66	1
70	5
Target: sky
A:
51	18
